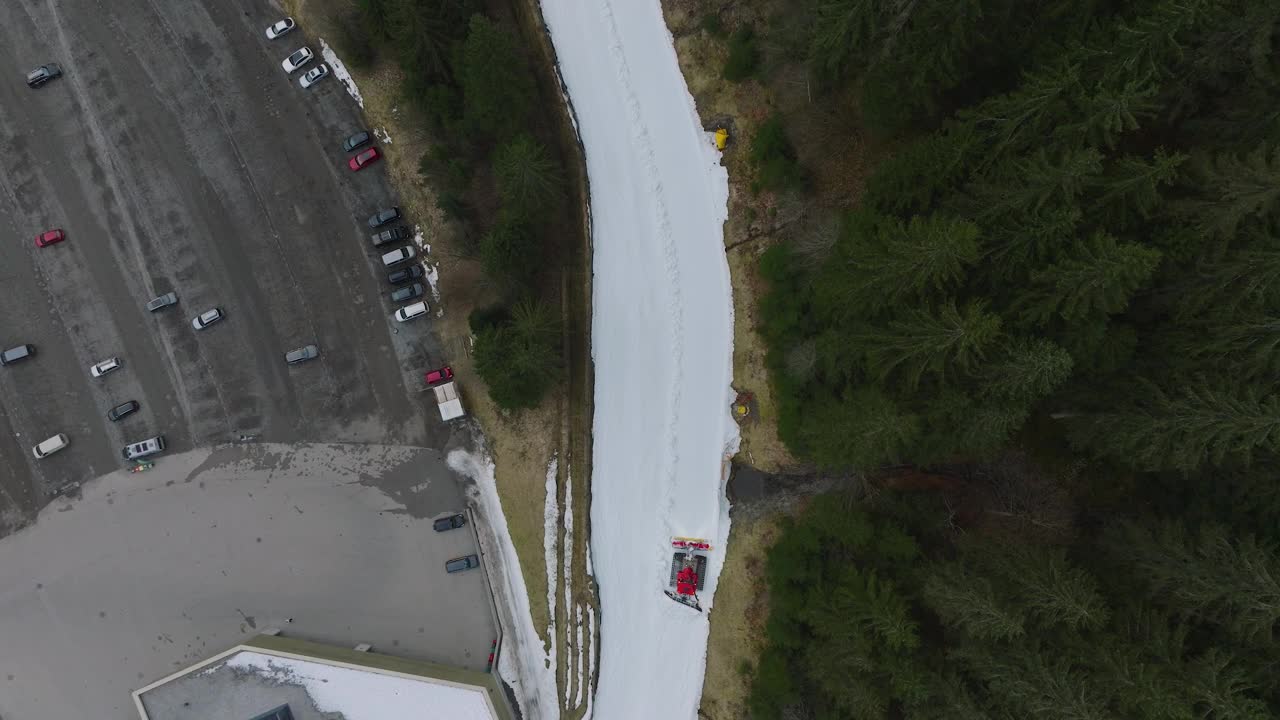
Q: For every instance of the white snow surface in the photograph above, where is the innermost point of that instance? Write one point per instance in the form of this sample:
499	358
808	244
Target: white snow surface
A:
523	663
340	71
662	343
365	695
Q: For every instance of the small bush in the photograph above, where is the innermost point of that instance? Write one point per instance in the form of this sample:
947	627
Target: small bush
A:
744	57
529	181
498	88
355	44
713	25
775	158
509	251
489	318
519	360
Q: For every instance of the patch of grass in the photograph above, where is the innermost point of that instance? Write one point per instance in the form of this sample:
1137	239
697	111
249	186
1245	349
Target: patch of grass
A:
744	56
737	620
713	25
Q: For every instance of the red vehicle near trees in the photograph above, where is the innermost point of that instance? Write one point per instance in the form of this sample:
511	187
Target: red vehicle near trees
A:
364	159
49	237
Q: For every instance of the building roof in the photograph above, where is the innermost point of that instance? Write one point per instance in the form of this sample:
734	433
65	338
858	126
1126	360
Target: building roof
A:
309	681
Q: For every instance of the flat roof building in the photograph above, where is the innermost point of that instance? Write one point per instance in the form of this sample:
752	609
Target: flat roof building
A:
279	678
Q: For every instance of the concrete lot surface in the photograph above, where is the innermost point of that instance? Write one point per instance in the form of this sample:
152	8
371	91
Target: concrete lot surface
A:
178	156
151	572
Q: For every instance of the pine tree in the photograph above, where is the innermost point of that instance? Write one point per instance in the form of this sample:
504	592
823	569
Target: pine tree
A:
1014	119
497	86
1029	370
1202	425
1247	342
938	343
528	179
1223	689
1027	683
1130	190
1112	107
967	601
1055	592
1235	189
1098	277
865	429
1232	582
425	35
1029	183
880	262
1249	277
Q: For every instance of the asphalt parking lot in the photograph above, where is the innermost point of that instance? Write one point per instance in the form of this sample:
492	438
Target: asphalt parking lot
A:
149	573
178	156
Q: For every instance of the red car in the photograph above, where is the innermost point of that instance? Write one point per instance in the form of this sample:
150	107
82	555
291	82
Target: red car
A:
49	237
365	158
435	377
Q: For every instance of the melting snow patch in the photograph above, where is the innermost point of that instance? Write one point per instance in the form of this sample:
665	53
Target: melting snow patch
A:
383	135
550	534
533	677
340	72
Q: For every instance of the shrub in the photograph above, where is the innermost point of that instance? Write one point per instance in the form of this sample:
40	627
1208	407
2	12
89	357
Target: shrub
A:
355	44
491	317
713	25
774	158
744	57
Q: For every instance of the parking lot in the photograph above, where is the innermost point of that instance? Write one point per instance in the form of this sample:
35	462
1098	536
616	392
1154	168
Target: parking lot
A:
149	573
178	156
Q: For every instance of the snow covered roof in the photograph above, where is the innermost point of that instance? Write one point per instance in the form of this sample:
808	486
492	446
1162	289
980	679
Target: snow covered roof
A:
251	679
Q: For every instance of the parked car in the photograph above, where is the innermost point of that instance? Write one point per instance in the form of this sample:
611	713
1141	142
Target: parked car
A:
384	216
439	375
302	354
406	293
43	74
451	522
50	446
206	318
280	28
162	301
399	255
356	140
411	312
462	563
142	449
49	237
404	275
123	410
387	237
300	57
105	367
14	354
314	75
364	159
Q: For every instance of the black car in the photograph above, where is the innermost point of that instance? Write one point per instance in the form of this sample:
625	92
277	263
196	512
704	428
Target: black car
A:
384	216
357	140
407	292
123	410
462	563
43	74
404	275
450	523
389	236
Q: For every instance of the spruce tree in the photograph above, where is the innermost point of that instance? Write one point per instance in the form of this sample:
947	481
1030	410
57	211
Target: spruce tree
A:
967	601
1129	191
1097	277
1235	189
938	343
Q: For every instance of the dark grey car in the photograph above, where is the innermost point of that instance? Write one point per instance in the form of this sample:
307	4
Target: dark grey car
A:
406	293
384	216
462	563
123	410
389	236
356	140
43	74
451	522
404	275
162	301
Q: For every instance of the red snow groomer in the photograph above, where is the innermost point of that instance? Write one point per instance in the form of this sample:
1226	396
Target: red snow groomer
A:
688	570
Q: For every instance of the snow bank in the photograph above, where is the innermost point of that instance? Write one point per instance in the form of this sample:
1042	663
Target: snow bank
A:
340	71
662	342
533	677
358	694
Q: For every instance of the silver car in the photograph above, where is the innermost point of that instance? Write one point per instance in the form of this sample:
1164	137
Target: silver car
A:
206	318
302	354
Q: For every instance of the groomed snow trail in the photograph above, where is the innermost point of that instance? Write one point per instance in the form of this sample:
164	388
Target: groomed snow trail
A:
662	342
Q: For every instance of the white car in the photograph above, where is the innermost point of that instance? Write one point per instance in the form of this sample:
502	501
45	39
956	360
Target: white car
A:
314	75
280	28
410	312
300	57
50	446
206	318
105	367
